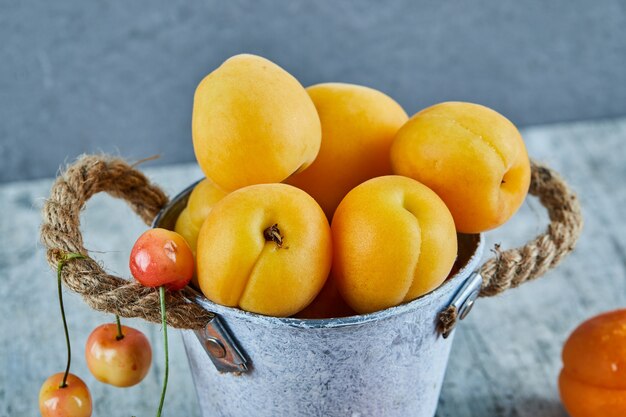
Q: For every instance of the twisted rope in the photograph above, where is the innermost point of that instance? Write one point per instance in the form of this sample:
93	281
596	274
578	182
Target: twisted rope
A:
60	234
513	267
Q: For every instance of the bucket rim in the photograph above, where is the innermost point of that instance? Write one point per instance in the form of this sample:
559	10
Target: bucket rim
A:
232	312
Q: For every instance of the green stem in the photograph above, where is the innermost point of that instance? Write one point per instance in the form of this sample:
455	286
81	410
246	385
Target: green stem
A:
120	335
164	324
67	257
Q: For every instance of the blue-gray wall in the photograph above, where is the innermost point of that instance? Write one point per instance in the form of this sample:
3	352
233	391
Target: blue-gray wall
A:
118	76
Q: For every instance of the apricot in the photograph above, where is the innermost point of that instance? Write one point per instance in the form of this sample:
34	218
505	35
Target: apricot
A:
358	126
266	249
593	379
393	241
253	123
187	229
328	304
201	200
471	156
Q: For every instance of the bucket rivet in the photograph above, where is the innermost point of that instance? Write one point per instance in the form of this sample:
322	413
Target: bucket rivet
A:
467	307
215	347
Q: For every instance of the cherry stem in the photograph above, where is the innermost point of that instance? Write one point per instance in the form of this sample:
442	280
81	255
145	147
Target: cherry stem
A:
167	368
120	335
67	257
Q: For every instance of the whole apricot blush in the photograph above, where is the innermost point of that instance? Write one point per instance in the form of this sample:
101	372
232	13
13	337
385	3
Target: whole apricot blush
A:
201	200
266	249
393	241
358	126
253	123
471	156
593	379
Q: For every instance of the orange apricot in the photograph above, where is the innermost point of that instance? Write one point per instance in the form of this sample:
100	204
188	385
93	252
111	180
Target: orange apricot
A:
471	156
201	200
187	229
584	400
593	379
393	241
253	123
358	126
264	248
328	304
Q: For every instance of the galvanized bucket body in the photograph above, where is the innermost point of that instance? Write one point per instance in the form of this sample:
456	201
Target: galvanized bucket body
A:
389	363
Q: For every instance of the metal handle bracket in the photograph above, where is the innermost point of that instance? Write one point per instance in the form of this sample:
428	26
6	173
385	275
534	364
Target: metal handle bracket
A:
465	298
222	348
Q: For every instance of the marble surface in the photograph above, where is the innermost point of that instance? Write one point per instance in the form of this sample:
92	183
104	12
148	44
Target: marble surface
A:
506	355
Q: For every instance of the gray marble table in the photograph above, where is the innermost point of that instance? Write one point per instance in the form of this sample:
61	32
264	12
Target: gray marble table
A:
506	355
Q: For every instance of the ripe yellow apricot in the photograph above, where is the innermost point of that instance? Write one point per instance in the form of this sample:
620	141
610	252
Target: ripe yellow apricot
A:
264	248
201	200
358	126
253	123
593	379
187	229
393	241
471	156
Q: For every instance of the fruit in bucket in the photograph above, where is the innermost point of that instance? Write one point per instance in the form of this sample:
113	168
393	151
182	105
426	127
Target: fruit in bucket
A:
201	201
393	240
327	304
253	123
471	156
118	355
593	379
358	126
266	249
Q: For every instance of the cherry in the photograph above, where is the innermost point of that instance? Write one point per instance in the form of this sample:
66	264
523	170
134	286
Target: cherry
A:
162	258
71	400
118	355
64	394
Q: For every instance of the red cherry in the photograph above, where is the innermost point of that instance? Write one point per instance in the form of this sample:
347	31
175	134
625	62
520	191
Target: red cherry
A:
161	257
73	400
121	361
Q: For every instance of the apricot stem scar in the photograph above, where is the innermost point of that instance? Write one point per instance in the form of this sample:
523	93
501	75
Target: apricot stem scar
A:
272	234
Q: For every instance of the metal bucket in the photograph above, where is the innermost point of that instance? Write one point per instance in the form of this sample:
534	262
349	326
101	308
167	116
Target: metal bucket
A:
384	364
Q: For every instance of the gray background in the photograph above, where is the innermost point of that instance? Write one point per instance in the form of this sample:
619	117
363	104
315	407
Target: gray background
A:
118	76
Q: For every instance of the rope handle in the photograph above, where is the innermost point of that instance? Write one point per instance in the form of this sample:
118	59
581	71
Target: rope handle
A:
91	174
513	267
60	234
